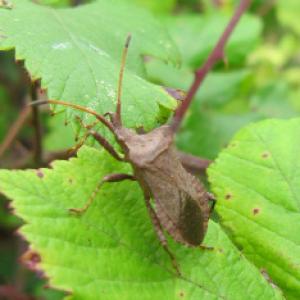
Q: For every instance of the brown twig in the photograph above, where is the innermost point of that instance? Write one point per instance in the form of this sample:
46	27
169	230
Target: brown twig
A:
21	273
216	55
14	129
61	155
10	292
38	151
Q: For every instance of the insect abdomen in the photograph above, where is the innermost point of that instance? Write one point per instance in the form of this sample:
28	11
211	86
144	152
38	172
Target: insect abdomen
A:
181	202
190	227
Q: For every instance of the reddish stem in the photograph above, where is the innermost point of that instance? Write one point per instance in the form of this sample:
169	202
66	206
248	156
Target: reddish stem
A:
216	55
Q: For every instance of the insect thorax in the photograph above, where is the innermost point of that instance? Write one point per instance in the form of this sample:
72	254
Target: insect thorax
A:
142	149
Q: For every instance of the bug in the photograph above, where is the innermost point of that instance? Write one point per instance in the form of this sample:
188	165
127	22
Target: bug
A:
181	202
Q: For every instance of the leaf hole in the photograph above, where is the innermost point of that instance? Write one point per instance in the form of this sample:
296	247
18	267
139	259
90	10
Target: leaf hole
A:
181	294
265	155
256	211
228	196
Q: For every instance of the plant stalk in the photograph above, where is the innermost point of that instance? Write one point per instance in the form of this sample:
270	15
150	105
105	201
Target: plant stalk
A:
216	55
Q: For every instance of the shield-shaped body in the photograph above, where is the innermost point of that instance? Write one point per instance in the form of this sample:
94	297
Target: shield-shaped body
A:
181	202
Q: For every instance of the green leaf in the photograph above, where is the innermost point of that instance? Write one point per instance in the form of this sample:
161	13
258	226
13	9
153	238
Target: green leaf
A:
60	136
256	181
216	114
207	117
230	84
288	13
197	35
157	6
77	53
205	133
8	221
273	101
60	3
112	252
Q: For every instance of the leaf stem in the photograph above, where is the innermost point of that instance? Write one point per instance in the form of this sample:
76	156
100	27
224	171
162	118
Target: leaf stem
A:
216	55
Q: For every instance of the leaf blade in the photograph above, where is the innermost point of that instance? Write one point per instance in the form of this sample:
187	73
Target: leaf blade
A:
112	251
255	179
80	64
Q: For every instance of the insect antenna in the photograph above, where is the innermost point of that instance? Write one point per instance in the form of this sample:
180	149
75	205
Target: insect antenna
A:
77	107
118	119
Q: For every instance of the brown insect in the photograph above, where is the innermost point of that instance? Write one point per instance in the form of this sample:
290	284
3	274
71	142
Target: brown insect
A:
181	202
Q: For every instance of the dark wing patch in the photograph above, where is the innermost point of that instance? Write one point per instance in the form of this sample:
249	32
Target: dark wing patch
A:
191	221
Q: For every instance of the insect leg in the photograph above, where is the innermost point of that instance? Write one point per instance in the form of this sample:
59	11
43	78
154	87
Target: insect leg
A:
193	164
108	178
212	198
105	144
160	234
99	138
75	148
